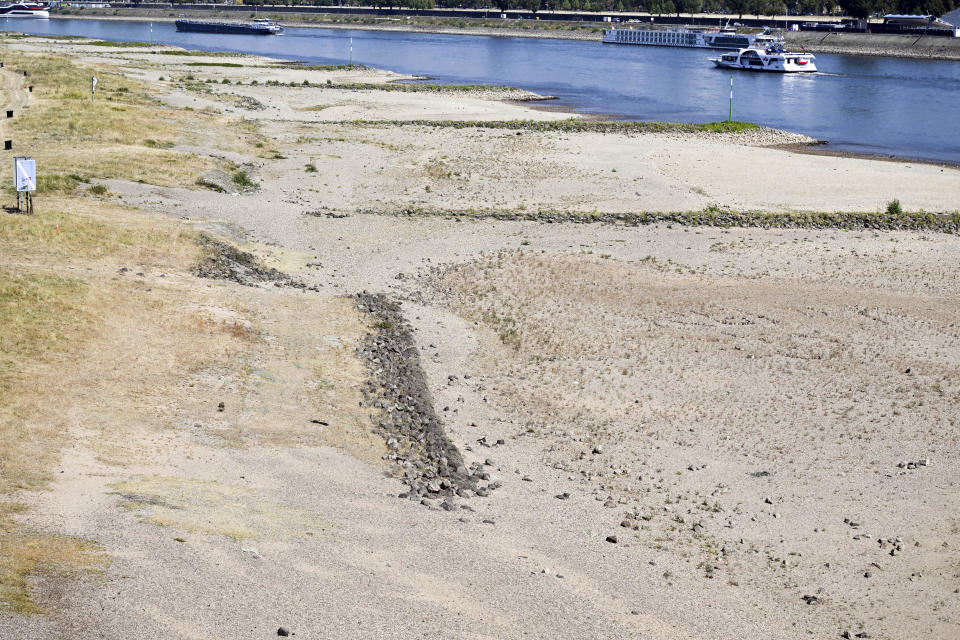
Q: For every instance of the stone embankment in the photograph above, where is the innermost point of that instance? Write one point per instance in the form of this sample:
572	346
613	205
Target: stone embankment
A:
743	133
420	451
717	217
868	44
480	91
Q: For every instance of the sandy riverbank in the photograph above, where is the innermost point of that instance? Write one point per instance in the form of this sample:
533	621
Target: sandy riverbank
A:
660	431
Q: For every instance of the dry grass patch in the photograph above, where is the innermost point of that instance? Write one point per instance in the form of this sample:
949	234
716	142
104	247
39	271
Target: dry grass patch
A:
302	368
54	321
43	319
124	133
213	508
66	228
50	313
24	554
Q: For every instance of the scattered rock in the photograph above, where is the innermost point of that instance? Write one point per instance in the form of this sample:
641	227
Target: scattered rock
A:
250	104
282	631
253	552
612	539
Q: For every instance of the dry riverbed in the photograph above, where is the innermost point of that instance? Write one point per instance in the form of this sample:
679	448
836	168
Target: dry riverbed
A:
272	368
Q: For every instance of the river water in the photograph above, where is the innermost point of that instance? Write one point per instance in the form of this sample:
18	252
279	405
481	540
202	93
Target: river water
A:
890	106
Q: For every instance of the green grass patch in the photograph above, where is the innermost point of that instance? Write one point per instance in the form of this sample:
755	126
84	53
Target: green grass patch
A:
205	54
57	183
241	179
572	125
727	127
327	67
213	64
123	45
153	144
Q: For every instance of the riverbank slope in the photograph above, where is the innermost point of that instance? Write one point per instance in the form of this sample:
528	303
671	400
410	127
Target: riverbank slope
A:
212	414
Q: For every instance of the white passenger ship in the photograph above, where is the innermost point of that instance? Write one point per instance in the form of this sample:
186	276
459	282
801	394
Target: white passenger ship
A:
715	38
24	10
772	58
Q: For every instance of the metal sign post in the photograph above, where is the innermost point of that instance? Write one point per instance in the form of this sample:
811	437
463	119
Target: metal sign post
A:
93	88
25	177
730	117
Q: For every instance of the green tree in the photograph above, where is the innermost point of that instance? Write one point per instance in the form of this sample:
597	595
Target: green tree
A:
857	8
688	6
738	6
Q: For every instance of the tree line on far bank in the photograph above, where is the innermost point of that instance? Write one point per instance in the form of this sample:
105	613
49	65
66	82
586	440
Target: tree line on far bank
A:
853	8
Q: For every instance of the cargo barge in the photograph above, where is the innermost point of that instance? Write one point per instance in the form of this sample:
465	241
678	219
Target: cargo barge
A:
259	27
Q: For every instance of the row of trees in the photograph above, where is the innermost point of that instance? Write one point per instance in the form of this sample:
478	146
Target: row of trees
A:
865	8
854	8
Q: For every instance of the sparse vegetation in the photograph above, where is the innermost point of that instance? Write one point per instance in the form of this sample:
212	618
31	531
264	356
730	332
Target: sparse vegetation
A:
570	125
714	216
241	179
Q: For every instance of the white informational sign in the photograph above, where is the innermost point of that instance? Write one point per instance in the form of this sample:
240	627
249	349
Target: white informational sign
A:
25	174
93	85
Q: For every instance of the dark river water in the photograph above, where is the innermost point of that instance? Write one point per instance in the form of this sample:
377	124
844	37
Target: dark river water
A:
892	106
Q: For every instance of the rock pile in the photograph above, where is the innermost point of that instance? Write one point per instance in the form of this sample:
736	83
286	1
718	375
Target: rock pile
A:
420	452
223	261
